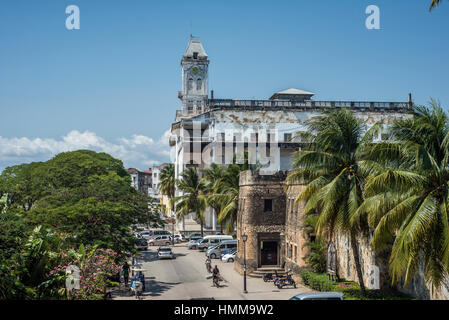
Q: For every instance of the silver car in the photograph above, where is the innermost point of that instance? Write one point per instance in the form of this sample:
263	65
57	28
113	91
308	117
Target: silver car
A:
160	241
164	253
193	244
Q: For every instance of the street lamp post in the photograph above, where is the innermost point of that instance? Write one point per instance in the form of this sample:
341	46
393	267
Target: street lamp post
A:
173	228
244	238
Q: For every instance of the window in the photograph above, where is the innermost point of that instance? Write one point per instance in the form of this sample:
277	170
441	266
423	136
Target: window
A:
289	251
198	84
268	205
190	84
287	137
195	55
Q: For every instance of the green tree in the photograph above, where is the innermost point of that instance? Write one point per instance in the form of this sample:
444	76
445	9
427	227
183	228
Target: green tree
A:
316	255
227	196
82	195
212	178
407	199
333	167
13	231
167	183
193	198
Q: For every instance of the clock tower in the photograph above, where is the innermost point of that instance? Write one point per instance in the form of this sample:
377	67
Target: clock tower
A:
195	66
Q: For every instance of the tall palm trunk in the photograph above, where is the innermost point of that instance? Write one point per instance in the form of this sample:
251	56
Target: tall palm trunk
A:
202	229
358	267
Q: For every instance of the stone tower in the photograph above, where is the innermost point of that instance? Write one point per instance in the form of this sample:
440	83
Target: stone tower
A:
195	67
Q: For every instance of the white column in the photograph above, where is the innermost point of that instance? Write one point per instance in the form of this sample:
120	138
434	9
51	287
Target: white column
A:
214	220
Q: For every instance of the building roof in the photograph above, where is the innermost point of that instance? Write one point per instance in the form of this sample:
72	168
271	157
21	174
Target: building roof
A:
292	92
195	46
132	170
295	91
148	171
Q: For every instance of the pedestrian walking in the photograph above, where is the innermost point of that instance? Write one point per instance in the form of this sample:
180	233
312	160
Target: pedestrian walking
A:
125	273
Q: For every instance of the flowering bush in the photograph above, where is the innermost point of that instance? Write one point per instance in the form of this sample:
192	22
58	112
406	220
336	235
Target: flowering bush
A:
96	266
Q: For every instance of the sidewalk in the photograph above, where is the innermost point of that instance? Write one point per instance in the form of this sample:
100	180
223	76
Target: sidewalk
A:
256	287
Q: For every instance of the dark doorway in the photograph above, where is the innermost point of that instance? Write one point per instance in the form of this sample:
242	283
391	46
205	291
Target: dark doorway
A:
268	253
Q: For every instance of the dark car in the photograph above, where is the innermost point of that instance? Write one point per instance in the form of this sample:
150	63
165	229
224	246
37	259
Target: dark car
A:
141	244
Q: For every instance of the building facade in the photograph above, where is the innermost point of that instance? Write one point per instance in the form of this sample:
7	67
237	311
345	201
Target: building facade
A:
208	130
141	180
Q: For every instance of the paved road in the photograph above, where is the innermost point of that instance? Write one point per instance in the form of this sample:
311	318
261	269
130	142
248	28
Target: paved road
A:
183	278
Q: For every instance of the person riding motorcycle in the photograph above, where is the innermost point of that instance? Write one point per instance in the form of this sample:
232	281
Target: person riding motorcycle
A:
215	276
208	265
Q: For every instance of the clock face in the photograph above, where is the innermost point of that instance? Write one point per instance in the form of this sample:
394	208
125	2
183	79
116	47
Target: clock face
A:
195	70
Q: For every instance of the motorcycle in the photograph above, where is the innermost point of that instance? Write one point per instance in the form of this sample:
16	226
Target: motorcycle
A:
269	276
216	280
286	281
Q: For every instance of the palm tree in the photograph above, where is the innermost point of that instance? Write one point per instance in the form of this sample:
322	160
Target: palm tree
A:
193	198
167	183
212	177
333	167
407	201
434	4
227	195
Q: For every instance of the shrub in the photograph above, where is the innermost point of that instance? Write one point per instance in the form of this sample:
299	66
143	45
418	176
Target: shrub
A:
351	290
316	281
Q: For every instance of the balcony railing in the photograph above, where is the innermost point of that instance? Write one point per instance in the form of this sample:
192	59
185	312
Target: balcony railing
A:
223	103
308	104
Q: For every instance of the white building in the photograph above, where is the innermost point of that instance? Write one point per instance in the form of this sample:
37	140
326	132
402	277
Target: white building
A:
208	130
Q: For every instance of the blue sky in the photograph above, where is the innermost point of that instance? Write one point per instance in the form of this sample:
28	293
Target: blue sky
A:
112	85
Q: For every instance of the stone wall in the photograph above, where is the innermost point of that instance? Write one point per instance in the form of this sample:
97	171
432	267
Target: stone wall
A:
295	235
252	220
374	267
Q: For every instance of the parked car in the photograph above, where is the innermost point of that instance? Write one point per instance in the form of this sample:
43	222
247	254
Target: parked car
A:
215	252
145	234
141	244
160	241
193	235
157	232
319	296
229	257
164	253
193	244
179	238
193	239
210	241
226	252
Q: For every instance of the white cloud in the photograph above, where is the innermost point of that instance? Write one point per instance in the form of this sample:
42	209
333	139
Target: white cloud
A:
137	151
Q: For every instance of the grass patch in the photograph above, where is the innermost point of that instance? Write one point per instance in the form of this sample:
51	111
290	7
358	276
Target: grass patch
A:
351	290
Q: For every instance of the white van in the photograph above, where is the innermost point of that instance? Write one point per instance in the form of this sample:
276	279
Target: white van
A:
215	252
156	232
210	241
